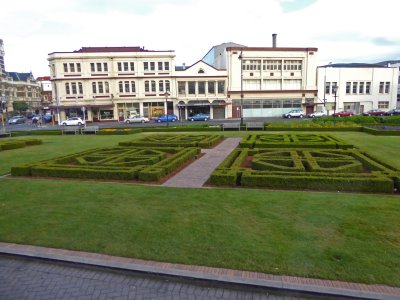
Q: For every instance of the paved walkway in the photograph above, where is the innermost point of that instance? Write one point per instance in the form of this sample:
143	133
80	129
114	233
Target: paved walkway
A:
28	278
254	279
197	173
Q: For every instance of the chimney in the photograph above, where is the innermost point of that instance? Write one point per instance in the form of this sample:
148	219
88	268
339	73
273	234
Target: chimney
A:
274	40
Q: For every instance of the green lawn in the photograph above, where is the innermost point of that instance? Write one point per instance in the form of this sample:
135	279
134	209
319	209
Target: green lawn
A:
341	236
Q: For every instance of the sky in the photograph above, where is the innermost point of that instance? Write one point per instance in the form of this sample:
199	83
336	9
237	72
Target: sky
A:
342	30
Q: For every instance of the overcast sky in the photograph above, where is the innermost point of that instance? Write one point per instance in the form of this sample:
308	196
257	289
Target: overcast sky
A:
342	30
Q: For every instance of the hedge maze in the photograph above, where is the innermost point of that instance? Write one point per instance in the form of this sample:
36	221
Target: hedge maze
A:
293	141
120	163
291	162
15	144
149	159
176	140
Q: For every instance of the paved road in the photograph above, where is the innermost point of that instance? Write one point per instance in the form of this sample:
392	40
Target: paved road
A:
27	278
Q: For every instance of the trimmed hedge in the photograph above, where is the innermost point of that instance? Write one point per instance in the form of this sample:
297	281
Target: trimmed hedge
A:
332	183
15	144
35	132
119	163
320	169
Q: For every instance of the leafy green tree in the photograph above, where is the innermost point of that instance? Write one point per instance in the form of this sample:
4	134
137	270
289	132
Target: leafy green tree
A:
20	106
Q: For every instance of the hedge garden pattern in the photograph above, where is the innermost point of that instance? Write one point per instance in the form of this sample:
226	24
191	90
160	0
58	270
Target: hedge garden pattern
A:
176	140
14	144
292	141
120	163
305	168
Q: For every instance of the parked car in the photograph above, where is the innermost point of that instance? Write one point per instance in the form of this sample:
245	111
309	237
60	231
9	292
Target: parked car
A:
199	117
165	118
136	119
393	112
295	113
343	114
73	121
17	120
374	112
317	114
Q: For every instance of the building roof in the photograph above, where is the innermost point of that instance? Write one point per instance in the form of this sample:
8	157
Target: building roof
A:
286	49
113	49
353	65
21	76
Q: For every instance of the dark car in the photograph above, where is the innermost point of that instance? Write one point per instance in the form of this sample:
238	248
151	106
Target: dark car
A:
17	120
199	117
343	114
165	118
393	112
374	112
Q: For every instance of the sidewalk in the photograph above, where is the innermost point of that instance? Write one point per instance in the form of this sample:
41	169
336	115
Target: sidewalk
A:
289	283
197	173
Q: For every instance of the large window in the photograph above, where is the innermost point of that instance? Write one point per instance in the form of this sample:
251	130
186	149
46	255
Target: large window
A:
73	88
126	66
72	67
383	104
182	87
355	86
292	65
100	87
99	67
381	87
150	86
211	87
192	87
221	87
387	87
272	65
127	86
252	65
368	87
201	85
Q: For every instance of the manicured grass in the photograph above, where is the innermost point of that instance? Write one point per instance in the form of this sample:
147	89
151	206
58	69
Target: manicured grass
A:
350	237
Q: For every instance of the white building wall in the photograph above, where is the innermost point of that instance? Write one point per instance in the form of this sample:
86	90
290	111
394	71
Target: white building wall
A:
360	100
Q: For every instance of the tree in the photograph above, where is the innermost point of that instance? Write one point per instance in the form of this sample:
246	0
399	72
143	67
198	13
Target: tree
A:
20	106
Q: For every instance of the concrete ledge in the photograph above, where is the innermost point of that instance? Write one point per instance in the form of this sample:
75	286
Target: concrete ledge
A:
288	283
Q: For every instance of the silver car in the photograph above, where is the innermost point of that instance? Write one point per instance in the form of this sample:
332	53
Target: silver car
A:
136	119
295	113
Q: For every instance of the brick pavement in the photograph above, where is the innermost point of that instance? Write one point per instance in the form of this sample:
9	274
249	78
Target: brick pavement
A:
244	278
197	173
27	278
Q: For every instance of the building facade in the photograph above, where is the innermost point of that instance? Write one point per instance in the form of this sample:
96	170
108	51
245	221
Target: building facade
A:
109	83
357	87
17	88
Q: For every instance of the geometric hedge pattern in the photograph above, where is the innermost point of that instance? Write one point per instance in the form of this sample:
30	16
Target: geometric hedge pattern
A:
123	163
305	168
176	140
292	141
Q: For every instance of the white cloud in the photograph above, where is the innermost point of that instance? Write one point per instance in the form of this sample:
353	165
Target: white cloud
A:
343	30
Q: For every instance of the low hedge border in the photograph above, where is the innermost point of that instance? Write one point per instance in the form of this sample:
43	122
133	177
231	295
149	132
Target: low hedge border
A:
314	169
92	164
15	144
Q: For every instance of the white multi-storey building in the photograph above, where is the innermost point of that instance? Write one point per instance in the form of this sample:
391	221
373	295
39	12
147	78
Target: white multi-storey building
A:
357	87
109	83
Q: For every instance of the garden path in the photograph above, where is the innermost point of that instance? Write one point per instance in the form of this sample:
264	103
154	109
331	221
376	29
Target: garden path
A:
197	173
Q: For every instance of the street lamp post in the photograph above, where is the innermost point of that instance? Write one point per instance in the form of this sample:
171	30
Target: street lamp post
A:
166	106
241	86
334	108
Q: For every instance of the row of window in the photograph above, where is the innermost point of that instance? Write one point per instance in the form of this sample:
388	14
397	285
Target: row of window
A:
287	65
254	104
121	66
200	87
358	87
103	87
